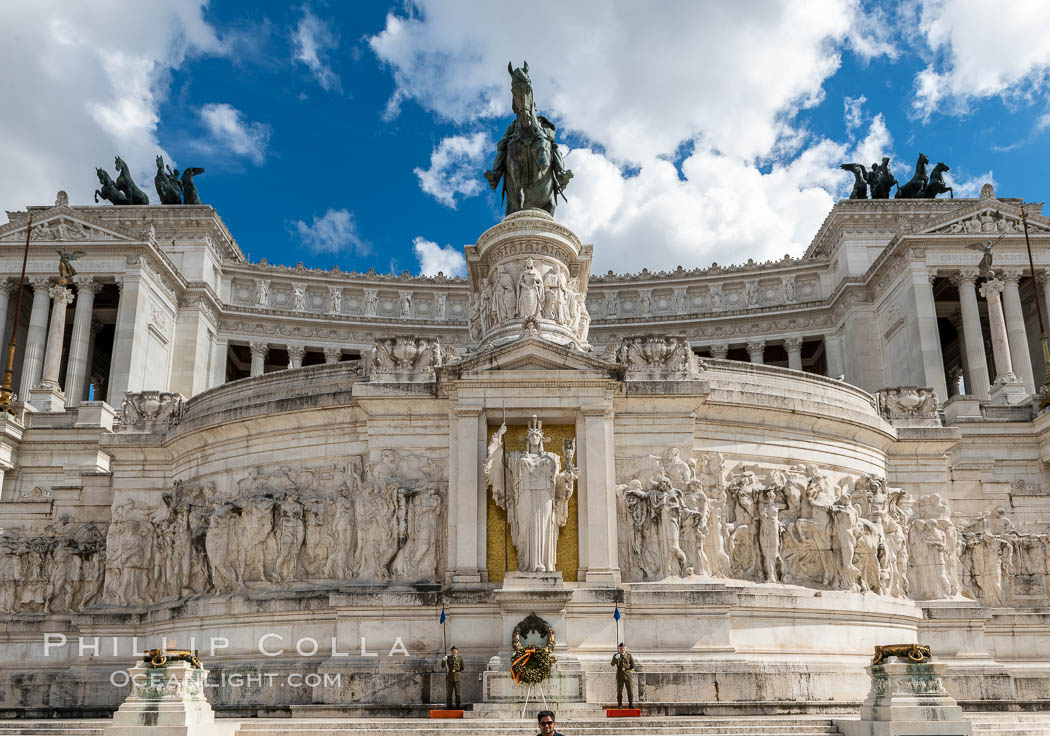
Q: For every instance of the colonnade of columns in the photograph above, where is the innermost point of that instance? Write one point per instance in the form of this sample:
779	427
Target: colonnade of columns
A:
296	353
1008	333
44	338
756	350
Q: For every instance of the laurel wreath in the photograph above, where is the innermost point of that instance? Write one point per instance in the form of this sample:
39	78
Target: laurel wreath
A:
532	665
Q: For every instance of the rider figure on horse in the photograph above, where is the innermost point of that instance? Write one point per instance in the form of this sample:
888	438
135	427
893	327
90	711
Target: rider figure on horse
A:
528	160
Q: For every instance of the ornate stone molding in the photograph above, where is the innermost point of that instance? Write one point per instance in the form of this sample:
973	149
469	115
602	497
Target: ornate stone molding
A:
149	411
909	406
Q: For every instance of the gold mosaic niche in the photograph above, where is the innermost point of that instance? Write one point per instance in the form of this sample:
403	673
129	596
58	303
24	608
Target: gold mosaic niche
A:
496	527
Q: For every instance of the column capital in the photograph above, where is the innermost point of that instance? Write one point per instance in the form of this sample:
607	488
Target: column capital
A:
1012	275
8	286
932	276
793	343
332	355
466	412
61	294
720	351
295	352
595	411
965	276
259	349
755	346
992	287
39	282
86	283
1043	277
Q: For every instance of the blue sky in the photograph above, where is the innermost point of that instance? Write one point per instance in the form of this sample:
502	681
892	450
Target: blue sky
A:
356	133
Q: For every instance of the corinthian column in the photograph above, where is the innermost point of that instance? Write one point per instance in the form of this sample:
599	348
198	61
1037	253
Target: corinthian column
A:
719	351
55	337
295	356
1004	370
977	382
33	359
794	351
756	349
6	287
80	341
259	351
1015	328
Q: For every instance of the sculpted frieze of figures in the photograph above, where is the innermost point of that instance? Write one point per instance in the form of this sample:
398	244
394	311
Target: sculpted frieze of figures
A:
529	289
373	522
790	525
57	571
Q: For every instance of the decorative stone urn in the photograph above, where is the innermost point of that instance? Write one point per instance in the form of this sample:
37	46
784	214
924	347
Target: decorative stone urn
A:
528	276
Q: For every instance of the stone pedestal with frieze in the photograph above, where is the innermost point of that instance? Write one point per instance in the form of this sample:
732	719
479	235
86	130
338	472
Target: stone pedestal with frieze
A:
167	701
907	698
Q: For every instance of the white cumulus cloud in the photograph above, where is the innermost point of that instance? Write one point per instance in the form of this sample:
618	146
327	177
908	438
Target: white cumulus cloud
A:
434	259
311	41
333	232
853	111
231	131
80	90
982	49
723	83
455	168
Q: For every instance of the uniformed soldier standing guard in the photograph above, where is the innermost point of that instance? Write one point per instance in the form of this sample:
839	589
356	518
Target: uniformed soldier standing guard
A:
624	664
453	665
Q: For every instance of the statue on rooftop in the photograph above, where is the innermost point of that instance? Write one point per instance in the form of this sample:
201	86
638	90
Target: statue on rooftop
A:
528	160
127	185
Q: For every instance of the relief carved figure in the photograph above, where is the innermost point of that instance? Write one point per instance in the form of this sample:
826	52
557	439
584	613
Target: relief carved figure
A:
58	571
536	496
506	301
530	292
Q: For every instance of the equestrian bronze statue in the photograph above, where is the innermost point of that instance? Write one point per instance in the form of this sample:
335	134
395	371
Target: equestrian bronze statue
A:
527	159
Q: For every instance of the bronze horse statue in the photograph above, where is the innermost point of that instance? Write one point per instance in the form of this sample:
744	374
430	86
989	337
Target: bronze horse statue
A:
109	191
527	159
936	184
917	185
860	181
169	188
127	185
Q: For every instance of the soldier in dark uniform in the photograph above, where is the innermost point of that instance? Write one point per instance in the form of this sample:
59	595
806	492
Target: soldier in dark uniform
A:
453	665
624	664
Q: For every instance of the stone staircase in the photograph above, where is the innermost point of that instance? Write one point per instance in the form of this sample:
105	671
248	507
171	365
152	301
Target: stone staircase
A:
984	724
649	726
1010	724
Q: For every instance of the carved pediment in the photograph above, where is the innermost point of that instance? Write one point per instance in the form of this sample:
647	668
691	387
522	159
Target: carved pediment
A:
533	353
984	218
62	224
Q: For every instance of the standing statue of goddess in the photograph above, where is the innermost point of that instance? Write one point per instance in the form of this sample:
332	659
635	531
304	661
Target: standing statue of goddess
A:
530	292
536	497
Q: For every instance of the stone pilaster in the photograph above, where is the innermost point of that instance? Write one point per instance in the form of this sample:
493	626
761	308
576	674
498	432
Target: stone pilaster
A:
467	504
756	350
833	355
597	481
259	351
929	332
977	382
80	341
295	356
219	352
1015	328
7	287
33	360
793	345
